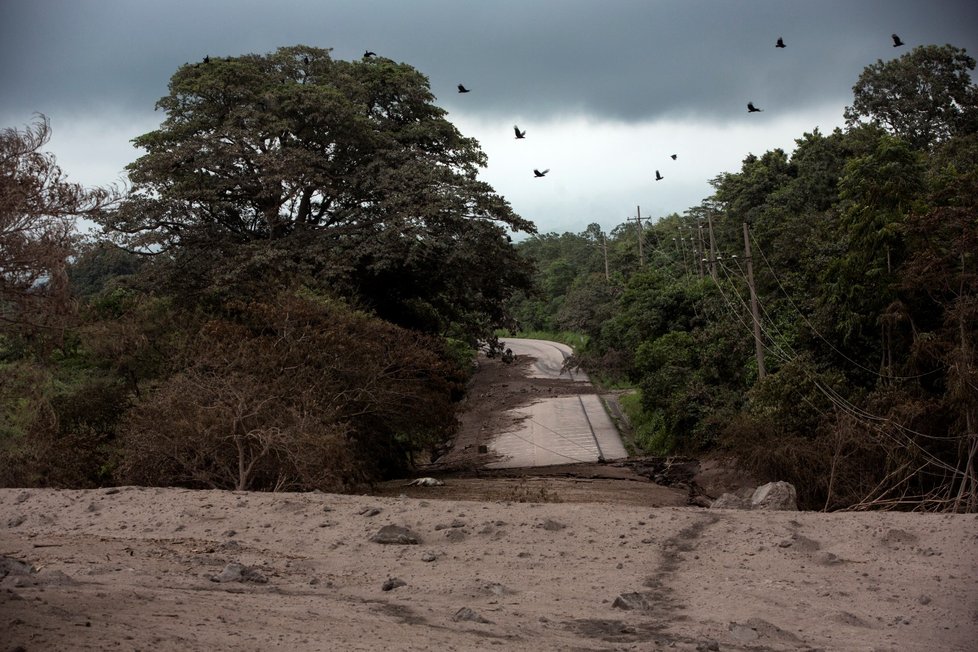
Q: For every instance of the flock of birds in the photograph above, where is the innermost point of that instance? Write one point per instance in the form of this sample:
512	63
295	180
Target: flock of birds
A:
521	134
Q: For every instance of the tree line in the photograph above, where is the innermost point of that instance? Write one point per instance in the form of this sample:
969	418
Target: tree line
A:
863	245
289	293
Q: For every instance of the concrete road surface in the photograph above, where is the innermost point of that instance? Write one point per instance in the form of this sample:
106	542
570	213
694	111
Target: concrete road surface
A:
559	430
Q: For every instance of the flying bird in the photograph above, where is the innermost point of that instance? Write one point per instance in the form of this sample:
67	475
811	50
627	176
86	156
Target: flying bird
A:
538	174
897	42
462	89
367	54
780	43
753	109
658	177
520	135
673	157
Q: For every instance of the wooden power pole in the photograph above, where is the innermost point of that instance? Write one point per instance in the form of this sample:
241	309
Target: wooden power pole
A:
758	342
638	222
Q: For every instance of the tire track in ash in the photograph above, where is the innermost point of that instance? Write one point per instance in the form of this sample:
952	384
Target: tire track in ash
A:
659	602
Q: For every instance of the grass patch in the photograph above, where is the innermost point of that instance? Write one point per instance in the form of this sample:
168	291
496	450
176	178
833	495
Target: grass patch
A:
649	435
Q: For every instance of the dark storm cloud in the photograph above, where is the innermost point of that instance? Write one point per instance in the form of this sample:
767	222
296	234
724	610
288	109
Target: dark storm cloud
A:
621	60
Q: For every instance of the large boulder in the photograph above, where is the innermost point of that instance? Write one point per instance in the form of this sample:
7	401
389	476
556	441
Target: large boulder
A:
775	496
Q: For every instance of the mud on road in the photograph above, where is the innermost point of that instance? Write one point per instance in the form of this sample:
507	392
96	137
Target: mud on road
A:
496	389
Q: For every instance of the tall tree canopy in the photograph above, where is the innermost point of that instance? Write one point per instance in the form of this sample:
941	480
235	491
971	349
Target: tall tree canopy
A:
294	165
924	97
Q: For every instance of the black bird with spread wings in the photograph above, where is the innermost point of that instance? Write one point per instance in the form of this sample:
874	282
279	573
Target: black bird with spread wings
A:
520	135
367	54
538	174
658	177
780	43
753	109
672	156
896	41
462	89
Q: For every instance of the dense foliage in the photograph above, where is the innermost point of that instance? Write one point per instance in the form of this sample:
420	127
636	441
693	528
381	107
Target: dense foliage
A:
288	297
863	251
343	174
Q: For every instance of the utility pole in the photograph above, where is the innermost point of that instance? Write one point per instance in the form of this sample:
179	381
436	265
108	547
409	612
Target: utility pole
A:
701	252
638	221
604	247
713	246
758	343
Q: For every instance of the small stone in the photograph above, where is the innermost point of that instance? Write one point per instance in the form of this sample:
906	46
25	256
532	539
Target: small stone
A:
370	511
730	501
467	614
630	602
455	536
397	535
924	599
234	572
429	557
11	566
393	583
551	525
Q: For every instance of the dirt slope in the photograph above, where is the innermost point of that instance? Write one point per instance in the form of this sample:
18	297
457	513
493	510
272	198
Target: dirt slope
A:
133	569
588	557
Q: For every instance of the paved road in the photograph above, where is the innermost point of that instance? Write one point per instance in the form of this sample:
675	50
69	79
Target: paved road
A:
559	430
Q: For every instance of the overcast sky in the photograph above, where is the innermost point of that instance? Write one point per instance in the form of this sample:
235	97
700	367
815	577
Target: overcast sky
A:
607	90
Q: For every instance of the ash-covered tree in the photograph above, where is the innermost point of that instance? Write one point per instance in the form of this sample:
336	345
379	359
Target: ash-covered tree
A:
296	167
38	212
924	97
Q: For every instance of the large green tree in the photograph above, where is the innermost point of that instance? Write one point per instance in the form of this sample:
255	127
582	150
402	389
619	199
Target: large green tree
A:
924	97
293	166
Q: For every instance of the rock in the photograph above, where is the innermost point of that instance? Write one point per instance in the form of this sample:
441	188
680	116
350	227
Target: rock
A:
743	633
397	535
631	602
11	566
730	501
426	482
455	535
775	496
393	583
429	557
467	614
497	589
369	511
551	525
234	572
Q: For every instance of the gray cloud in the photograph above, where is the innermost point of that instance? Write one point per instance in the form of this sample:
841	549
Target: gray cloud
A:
627	62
